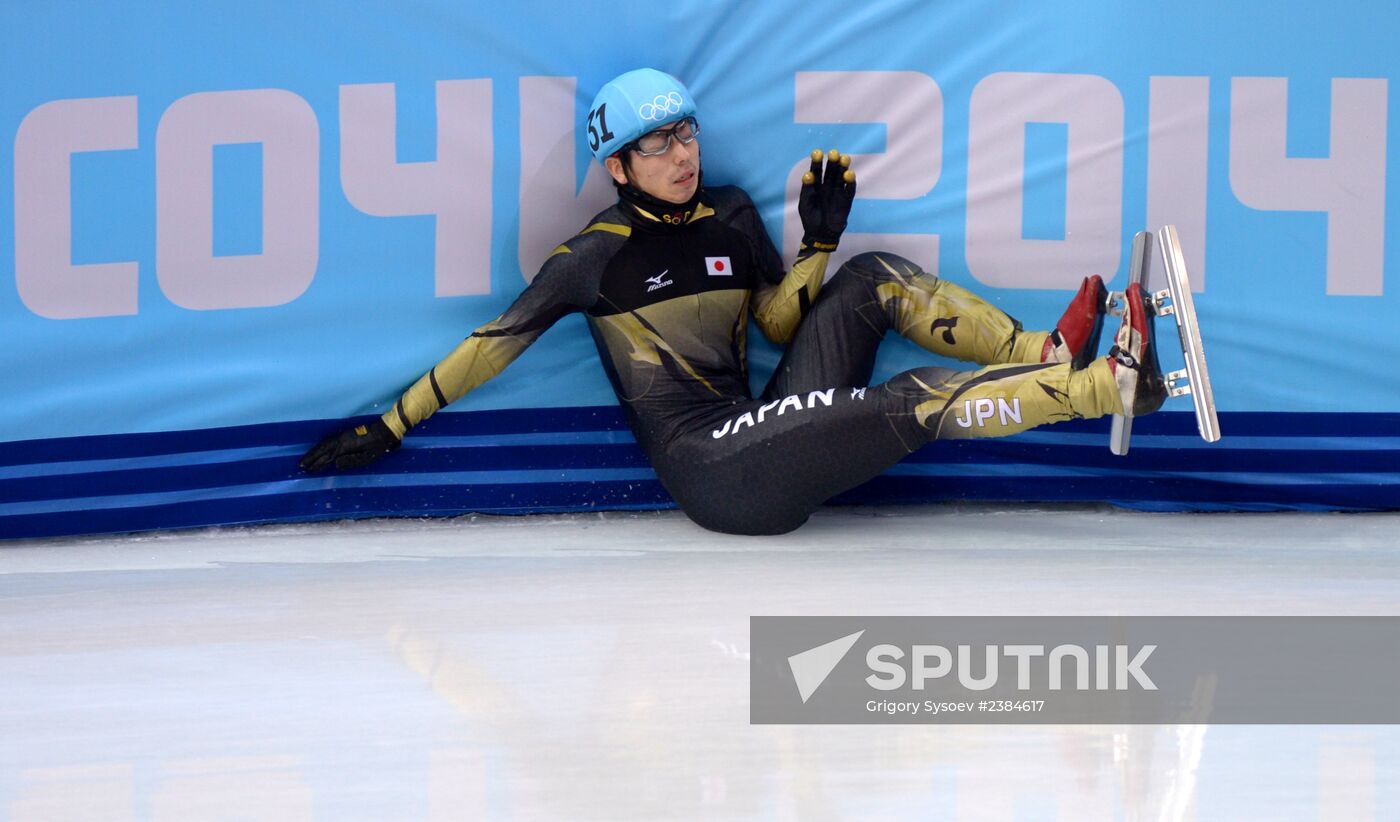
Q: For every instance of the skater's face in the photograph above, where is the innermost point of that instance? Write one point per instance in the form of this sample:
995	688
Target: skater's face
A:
671	176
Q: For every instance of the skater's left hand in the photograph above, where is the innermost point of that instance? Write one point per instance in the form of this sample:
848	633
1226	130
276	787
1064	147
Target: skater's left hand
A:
355	448
825	201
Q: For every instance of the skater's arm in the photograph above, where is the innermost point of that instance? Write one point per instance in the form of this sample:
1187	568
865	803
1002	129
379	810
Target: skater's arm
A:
780	308
475	360
567	282
824	204
780	299
562	286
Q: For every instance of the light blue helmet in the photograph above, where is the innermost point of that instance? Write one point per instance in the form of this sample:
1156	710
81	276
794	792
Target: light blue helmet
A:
631	105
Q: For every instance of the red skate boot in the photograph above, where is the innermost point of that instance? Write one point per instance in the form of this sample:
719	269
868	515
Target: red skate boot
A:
1075	339
1133	357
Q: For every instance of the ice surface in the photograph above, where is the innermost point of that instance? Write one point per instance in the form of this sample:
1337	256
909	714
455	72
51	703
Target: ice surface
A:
595	667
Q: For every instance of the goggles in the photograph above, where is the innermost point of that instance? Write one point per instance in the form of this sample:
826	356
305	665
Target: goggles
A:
658	142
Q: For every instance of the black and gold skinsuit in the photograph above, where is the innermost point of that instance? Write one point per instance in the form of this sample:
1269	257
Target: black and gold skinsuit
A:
668	300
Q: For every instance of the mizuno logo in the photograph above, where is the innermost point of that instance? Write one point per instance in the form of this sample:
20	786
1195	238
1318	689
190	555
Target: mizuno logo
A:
658	281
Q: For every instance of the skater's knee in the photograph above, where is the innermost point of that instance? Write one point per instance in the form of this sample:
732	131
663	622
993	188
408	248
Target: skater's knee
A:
879	267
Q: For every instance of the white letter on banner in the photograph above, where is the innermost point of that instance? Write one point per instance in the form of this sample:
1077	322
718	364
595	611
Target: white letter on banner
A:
48	282
1002	104
1349	185
910	104
456	187
551	206
188	272
1178	135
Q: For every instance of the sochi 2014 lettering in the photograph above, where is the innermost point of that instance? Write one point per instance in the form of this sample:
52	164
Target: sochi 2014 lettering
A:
456	187
1180	128
794	403
288	131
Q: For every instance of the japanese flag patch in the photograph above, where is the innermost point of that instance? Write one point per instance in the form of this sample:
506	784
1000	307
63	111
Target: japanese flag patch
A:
719	267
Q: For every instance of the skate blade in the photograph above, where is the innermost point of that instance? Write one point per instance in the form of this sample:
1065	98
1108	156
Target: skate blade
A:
1194	379
1176	301
1122	430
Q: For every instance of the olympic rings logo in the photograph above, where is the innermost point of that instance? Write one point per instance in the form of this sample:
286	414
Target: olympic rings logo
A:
661	106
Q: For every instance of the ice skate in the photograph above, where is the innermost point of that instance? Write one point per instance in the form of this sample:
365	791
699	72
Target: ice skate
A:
1075	339
1133	358
1150	387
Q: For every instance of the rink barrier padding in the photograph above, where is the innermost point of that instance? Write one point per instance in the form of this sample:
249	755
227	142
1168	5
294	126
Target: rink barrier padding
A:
291	228
584	459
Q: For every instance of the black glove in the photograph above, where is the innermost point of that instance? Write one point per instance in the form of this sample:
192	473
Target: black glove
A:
825	201
355	448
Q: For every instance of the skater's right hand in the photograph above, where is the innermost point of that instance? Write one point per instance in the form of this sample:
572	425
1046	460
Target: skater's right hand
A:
825	200
355	448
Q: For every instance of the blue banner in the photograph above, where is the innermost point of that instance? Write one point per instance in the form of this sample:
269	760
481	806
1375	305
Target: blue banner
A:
253	217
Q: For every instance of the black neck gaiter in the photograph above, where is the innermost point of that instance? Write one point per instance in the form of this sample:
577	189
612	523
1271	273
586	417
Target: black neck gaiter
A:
670	215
